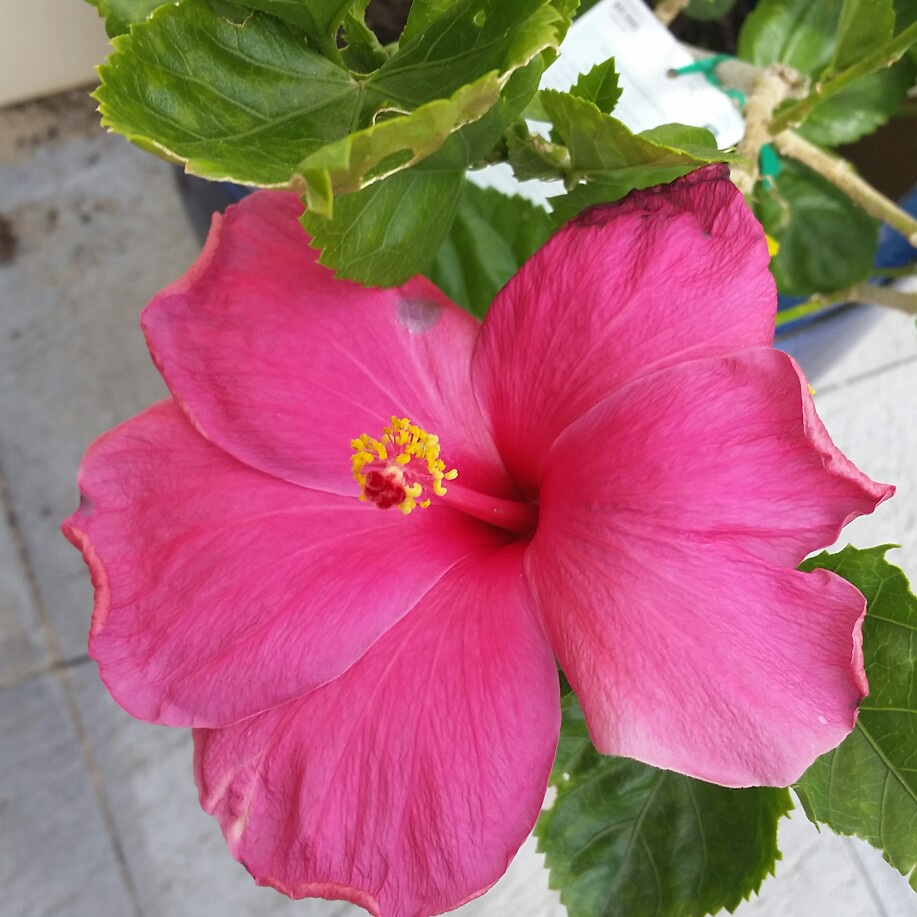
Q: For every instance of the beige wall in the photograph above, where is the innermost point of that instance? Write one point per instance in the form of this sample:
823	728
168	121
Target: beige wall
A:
47	46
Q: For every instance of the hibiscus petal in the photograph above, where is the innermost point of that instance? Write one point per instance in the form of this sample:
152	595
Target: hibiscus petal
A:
282	365
221	591
665	275
670	518
406	785
700	660
726	449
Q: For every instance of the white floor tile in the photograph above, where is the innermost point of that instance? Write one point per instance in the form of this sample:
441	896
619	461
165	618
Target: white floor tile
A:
55	855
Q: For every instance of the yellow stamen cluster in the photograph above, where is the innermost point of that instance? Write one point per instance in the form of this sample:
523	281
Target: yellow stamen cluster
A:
393	456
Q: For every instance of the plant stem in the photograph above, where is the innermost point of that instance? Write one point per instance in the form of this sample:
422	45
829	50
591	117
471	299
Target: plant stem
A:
667	10
881	57
812	306
841	174
859	293
771	86
884	296
895	273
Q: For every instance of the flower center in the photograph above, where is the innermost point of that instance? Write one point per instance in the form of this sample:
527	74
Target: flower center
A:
402	468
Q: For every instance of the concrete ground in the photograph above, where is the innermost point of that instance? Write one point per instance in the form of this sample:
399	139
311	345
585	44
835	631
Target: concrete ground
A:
98	813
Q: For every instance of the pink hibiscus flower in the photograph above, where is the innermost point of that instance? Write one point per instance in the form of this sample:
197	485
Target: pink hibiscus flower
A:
374	692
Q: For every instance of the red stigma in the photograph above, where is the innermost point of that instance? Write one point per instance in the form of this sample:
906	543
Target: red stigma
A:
375	483
383	490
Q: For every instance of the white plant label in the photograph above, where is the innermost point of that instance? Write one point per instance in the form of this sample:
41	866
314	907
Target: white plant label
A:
645	52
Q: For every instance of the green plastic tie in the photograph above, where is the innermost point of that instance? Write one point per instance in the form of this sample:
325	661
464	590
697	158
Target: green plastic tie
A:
707	67
769	164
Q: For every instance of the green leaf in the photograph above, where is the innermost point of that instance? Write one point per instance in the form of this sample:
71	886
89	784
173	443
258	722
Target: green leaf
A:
474	142
533	157
905	13
362	52
249	101
391	145
397	143
493	234
443	135
697	141
602	146
319	19
599	86
864	26
585	5
421	16
826	242
705	10
119	15
867	786
469	40
860	108
819	38
240	102
390	231
603	191
614	159
626	838
798	33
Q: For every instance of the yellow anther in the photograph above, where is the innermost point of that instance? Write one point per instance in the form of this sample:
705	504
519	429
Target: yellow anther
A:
773	246
404	463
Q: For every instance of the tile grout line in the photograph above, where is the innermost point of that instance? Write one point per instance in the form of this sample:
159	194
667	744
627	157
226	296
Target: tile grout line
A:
863	377
72	663
858	864
60	669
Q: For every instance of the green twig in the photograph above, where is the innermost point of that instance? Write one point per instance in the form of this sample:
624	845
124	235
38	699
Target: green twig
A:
667	10
813	306
895	273
842	175
860	292
885	56
770	88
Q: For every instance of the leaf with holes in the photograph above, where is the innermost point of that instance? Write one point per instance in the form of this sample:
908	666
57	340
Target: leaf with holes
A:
318	19
867	786
626	838
391	145
421	16
469	40
240	102
249	100
473	143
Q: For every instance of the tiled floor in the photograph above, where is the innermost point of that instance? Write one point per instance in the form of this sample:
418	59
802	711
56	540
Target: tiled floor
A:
98	813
